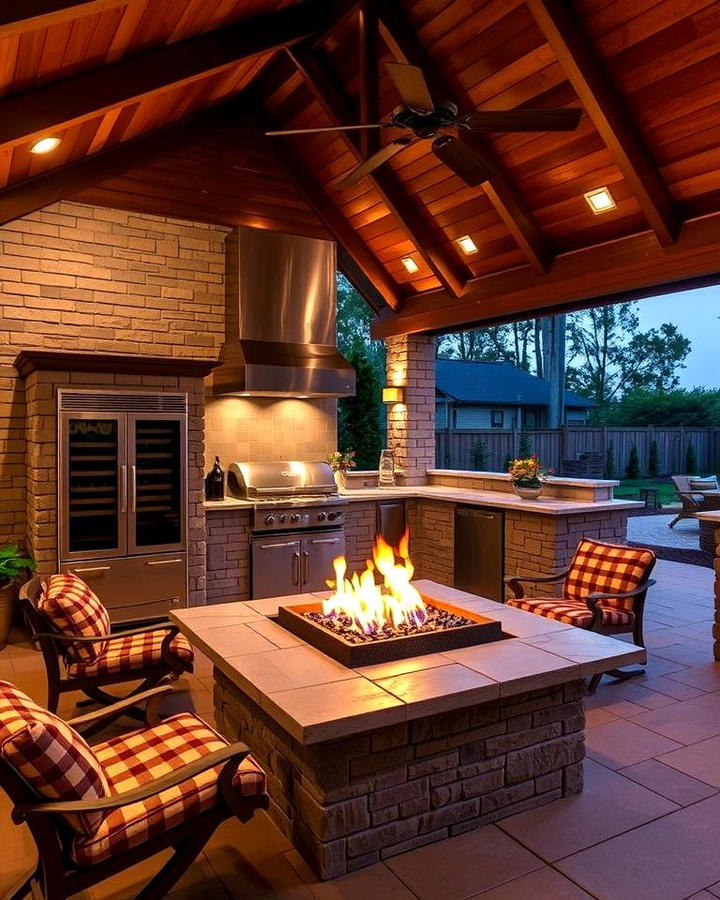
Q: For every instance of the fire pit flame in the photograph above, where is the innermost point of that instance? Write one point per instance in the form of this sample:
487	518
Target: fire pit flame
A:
370	606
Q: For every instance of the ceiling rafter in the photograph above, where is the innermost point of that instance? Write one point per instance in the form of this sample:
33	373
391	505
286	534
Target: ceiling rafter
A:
43	110
511	208
327	210
605	107
64	182
18	16
369	27
629	267
450	272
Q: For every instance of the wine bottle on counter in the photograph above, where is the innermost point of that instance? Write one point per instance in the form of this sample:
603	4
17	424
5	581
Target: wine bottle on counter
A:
215	482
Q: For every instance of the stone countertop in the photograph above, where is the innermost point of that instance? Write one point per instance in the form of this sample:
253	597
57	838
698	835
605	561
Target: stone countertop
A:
316	699
497	499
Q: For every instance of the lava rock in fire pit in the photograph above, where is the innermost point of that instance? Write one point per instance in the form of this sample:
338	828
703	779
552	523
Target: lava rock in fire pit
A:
342	625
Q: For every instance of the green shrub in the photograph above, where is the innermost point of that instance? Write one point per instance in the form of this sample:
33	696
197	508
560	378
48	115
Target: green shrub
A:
654	460
633	467
691	467
479	455
525	445
610	459
507	462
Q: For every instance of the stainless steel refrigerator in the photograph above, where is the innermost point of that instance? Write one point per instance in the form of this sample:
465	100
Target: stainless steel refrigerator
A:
122	485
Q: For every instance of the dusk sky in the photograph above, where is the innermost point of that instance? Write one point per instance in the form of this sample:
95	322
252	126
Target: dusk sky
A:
696	315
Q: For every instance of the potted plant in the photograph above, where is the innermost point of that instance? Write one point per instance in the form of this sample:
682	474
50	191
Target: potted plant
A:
341	462
527	476
12	565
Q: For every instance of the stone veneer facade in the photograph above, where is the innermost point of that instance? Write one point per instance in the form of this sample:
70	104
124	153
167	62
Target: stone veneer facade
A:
350	803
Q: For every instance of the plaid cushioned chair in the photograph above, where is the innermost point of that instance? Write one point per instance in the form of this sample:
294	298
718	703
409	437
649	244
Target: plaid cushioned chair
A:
72	628
604	590
95	811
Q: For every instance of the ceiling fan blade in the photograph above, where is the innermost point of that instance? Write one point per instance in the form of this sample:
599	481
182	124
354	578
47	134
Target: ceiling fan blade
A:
463	161
411	85
371	163
328	128
523	120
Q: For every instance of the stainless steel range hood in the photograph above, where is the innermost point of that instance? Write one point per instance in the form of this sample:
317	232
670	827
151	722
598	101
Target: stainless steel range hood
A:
280	318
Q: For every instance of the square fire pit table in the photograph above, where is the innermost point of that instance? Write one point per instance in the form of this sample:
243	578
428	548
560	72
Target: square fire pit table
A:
364	763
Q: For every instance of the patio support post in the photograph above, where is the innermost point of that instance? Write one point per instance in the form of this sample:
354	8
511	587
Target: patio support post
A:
411	425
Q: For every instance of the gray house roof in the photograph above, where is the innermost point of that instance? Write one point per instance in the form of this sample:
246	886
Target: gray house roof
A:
496	382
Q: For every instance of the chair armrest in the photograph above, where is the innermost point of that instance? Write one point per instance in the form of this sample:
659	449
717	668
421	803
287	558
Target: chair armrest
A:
106	638
151	697
514	582
593	599
230	755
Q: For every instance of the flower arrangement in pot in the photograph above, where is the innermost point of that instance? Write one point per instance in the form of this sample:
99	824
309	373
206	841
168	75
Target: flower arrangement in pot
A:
527	476
341	462
12	565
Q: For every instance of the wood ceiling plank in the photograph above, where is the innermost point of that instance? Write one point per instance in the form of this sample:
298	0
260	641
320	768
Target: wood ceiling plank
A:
84	96
18	16
605	108
606	273
508	203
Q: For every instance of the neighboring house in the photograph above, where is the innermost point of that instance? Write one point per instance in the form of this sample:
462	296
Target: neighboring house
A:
485	395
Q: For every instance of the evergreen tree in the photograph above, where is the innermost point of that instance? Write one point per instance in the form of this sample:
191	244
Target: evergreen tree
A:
691	467
610	459
633	466
359	416
507	463
654	460
525	445
479	456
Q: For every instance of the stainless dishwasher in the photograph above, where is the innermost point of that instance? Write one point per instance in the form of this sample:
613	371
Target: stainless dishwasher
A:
480	551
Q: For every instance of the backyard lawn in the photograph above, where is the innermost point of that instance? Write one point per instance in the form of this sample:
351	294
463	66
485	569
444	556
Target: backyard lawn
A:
629	489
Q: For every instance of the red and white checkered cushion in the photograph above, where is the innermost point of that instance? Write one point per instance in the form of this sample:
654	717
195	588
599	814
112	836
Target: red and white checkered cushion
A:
50	756
571	613
74	609
599	568
128	654
143	756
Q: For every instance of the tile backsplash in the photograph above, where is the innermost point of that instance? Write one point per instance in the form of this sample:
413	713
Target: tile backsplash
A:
243	428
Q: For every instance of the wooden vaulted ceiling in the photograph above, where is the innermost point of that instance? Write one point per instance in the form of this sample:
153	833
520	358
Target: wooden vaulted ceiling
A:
162	107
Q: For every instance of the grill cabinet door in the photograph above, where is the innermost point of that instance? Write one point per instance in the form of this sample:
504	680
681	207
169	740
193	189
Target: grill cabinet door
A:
275	566
318	553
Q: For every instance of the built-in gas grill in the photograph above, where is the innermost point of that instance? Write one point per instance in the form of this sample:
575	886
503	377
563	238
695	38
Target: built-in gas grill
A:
296	524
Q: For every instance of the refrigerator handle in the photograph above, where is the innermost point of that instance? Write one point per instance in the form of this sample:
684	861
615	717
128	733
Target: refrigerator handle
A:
133	488
306	567
296	567
123	489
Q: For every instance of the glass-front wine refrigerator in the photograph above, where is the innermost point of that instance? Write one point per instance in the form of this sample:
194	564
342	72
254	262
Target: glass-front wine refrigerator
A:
122	498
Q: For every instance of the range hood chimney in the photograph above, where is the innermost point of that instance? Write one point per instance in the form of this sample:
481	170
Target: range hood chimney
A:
280	299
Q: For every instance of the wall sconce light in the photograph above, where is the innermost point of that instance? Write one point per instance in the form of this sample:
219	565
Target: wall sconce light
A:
393	395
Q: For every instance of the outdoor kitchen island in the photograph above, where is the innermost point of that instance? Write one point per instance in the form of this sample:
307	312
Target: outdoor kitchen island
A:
366	763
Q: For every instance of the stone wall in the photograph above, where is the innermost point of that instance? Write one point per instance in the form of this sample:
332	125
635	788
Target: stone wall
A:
350	803
228	555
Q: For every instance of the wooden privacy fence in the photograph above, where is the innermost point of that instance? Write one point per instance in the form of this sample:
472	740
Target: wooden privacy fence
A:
459	449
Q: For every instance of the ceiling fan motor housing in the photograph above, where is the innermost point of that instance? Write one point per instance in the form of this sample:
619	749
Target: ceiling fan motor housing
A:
426	123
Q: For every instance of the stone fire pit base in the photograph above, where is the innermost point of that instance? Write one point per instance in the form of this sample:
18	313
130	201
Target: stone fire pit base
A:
351	802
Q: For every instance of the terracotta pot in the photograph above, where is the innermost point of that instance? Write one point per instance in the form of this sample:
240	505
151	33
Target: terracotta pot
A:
8	602
527	493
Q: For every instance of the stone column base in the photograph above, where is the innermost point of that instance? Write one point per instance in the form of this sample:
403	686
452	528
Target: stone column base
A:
349	803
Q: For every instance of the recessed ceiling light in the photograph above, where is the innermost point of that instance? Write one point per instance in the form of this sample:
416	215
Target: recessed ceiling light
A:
410	264
600	200
45	145
467	244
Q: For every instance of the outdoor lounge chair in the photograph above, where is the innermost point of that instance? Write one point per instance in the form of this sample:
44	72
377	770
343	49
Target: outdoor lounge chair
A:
604	590
692	502
94	812
72	629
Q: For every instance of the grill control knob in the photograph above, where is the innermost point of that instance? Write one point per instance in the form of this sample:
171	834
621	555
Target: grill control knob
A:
281	518
269	520
295	517
334	515
321	517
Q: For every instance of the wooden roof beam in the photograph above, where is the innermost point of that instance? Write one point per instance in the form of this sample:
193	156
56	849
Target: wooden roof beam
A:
18	16
365	260
43	110
605	107
520	222
450	272
628	268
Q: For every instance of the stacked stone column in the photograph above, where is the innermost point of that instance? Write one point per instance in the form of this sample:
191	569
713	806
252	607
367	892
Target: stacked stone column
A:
411	425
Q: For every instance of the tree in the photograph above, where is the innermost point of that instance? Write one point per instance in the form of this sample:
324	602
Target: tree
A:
354	317
698	407
524	445
518	343
479	456
610	459
653	460
610	355
632	469
691	467
358	416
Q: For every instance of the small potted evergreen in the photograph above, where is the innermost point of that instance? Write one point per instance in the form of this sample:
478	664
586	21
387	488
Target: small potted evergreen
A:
12	565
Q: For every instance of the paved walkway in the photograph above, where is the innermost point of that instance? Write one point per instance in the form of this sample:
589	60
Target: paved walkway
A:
654	530
645	827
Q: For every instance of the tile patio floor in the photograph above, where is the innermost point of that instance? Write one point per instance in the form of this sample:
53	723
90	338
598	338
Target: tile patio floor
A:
646	825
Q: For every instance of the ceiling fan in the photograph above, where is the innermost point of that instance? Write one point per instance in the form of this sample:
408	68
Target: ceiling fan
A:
428	120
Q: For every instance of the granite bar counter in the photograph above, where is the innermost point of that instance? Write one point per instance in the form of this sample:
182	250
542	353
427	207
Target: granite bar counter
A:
366	763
